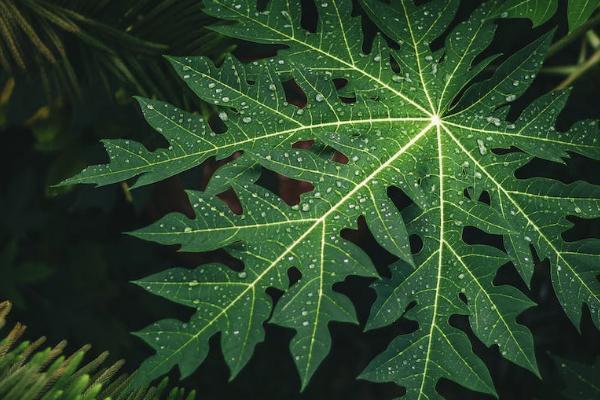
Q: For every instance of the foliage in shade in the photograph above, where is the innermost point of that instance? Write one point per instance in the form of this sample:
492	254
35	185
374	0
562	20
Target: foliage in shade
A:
73	44
419	121
29	373
15	274
578	11
580	380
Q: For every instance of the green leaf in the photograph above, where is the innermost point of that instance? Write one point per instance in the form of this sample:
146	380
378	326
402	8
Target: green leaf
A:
581	380
578	11
236	303
417	120
537	11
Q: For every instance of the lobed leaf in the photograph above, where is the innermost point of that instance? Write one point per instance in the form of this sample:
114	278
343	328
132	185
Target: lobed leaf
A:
418	120
540	11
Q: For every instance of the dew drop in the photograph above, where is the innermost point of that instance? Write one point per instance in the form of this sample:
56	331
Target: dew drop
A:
482	149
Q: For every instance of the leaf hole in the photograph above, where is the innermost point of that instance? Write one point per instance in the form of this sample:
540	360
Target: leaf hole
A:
339	158
294	93
368	27
574	168
340	83
582	228
394	65
221	256
472	193
216	124
348	100
467	192
261	5
507	274
472	235
484	197
416	243
310	16
230	198
294	275
363	238
503	151
399	198
410	306
274	293
288	189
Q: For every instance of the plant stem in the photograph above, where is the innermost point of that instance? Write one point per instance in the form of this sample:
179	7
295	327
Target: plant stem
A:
593	39
580	70
6	91
574	35
559	70
127	192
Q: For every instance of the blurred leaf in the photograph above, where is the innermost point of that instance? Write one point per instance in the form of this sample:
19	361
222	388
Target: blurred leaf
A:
578	11
537	11
15	275
70	46
582	381
30	372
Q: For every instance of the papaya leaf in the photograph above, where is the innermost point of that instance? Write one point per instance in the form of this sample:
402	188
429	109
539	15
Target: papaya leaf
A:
418	120
578	11
580	380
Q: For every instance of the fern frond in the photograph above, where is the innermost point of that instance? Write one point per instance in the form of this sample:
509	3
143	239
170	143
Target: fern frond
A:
74	44
27	373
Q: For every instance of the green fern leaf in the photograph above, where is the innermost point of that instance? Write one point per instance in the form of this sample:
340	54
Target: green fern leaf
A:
420	122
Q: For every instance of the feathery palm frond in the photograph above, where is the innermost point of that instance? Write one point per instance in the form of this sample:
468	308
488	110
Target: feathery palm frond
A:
28	372
67	44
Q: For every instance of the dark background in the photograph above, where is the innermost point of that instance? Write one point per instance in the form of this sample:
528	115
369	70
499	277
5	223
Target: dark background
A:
66	264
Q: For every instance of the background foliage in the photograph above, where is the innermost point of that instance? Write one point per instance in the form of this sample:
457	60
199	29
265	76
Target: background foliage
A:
67	64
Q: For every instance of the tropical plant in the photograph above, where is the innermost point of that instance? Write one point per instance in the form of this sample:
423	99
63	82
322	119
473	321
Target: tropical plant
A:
28	373
415	108
580	380
69	47
63	64
578	11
